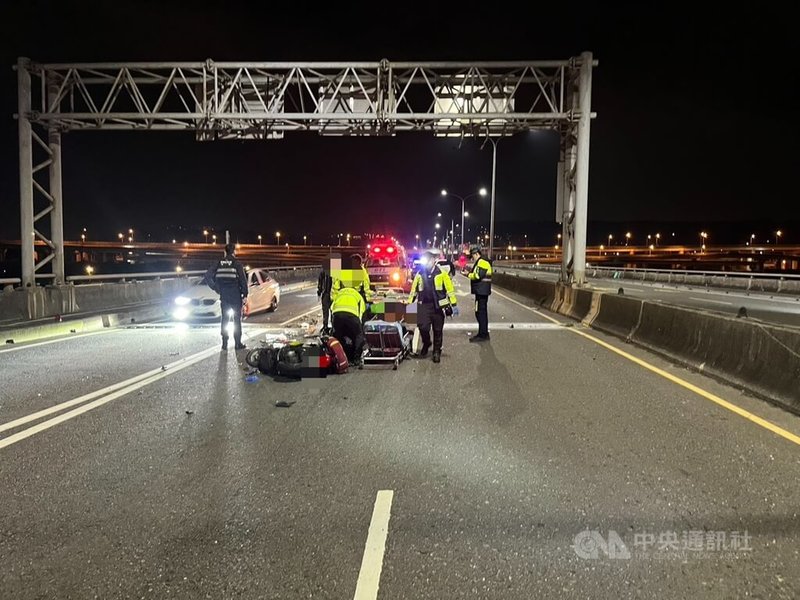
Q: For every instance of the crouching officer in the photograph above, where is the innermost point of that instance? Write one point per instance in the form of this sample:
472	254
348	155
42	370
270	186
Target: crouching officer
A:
228	279
480	281
435	296
347	310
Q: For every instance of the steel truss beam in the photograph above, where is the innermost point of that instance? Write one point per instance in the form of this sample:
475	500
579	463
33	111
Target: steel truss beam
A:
252	100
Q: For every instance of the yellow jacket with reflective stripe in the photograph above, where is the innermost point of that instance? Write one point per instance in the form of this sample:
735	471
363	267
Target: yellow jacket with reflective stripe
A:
348	300
442	285
364	286
480	277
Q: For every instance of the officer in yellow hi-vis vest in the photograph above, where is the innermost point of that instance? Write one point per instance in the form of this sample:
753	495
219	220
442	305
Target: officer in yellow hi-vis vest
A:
347	309
433	291
480	281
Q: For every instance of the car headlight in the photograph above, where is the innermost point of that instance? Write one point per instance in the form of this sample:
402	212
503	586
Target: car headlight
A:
180	314
182	300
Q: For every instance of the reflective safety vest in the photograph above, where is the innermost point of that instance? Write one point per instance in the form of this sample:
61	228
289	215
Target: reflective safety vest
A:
363	283
227	277
348	300
442	286
480	277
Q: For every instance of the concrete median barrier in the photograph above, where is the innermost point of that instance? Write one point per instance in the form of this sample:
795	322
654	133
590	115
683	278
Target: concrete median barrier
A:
541	292
618	315
759	357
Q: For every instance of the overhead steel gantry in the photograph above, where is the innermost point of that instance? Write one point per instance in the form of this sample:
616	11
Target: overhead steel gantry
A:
252	100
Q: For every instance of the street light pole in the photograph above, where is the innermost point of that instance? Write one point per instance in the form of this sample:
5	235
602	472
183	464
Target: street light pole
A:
494	186
481	192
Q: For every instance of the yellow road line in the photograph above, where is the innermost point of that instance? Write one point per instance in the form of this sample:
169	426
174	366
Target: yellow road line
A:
677	380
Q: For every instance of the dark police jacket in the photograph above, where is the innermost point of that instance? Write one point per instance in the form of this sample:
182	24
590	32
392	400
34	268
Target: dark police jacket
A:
228	279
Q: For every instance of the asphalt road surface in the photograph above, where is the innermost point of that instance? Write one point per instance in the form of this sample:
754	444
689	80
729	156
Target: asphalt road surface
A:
547	463
782	309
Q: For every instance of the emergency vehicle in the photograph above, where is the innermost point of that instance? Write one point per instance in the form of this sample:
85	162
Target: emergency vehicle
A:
387	266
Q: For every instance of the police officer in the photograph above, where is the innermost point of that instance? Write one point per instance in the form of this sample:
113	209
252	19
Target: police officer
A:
480	281
356	277
324	285
227	278
435	296
348	309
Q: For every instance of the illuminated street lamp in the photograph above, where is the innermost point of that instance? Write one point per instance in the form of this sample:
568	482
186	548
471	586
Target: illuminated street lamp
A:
259	239
627	238
610	237
305	237
778	235
120	236
348	239
214	239
205	233
130	233
658	237
278	237
464	213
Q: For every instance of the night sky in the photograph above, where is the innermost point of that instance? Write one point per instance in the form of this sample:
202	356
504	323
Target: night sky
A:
696	118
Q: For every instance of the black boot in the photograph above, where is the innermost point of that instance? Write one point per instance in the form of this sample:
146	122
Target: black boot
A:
424	352
224	343
437	356
240	345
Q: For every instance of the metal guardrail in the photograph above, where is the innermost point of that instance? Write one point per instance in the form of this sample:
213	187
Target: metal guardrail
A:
131	276
164	274
10	281
676	272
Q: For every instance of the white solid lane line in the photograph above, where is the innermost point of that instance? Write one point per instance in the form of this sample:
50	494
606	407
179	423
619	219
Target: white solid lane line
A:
499	326
26	433
70	336
371	565
710	300
112	392
61	339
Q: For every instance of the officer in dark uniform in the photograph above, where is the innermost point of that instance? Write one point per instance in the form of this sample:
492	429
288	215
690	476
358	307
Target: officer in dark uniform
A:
324	286
480	281
228	279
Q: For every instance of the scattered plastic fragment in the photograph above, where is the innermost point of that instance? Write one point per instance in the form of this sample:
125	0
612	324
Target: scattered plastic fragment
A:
251	378
284	403
190	412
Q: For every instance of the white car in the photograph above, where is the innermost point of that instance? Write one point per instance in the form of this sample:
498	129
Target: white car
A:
264	293
201	302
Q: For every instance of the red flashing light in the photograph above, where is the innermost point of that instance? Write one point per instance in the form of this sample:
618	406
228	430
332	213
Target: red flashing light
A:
376	249
390	250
